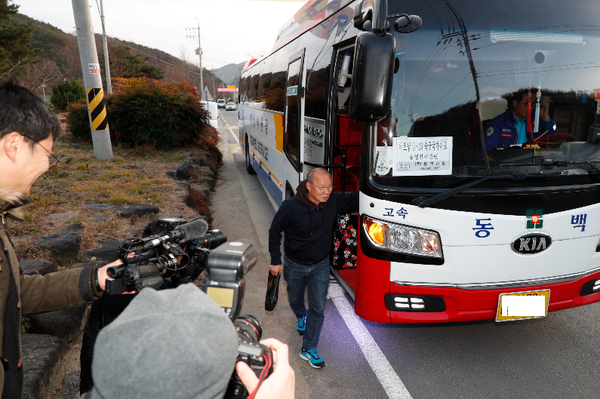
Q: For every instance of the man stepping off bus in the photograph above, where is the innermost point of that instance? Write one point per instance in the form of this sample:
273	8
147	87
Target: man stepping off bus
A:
307	221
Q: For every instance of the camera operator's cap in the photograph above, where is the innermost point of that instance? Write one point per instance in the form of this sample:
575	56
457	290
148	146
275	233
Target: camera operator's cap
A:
174	343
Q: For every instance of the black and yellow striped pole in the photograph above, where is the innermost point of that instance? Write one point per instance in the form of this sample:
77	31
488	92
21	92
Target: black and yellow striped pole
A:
97	107
92	80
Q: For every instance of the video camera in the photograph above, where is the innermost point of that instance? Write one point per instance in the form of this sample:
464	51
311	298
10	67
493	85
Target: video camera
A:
176	252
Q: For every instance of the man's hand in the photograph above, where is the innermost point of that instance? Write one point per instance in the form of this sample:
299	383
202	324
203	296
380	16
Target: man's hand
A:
103	275
544	115
280	384
275	269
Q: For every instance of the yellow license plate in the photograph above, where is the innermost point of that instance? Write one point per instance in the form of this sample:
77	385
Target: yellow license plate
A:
523	305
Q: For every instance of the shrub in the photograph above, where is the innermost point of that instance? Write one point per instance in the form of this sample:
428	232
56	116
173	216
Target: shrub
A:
65	93
163	115
78	122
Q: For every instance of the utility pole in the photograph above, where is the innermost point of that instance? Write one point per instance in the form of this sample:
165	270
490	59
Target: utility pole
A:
212	69
106	61
198	52
92	80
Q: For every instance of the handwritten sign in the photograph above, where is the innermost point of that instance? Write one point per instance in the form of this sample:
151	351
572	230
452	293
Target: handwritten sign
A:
422	156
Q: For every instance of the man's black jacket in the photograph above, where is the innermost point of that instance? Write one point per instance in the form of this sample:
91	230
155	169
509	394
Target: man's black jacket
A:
308	228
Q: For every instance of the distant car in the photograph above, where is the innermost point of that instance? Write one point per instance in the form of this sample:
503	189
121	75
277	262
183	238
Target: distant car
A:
230	106
221	103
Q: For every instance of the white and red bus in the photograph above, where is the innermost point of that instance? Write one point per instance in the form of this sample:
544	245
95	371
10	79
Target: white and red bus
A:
395	98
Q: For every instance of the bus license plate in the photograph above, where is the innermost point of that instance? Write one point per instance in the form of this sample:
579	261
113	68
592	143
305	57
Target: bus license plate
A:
523	305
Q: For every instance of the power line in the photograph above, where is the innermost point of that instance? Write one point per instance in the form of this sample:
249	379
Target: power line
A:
153	57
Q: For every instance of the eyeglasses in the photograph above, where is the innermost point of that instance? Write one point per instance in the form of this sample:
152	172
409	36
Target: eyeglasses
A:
56	158
322	189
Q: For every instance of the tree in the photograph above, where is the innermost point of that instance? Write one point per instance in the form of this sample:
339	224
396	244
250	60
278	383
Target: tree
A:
44	73
16	49
125	64
65	93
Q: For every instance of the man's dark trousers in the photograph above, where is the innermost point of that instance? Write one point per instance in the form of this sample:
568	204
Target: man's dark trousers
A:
316	279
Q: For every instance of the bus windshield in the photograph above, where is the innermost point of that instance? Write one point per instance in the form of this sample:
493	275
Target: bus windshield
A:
492	88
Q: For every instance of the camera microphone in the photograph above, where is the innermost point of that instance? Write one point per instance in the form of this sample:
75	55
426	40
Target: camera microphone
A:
184	232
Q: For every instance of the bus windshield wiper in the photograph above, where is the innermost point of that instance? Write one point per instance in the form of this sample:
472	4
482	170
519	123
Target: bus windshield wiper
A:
425	202
559	163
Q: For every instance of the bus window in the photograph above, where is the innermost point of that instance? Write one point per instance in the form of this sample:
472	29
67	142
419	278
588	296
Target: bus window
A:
317	79
253	84
276	97
344	81
264	83
291	135
243	90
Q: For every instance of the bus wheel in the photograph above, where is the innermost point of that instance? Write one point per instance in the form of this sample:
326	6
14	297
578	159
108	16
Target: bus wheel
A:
249	167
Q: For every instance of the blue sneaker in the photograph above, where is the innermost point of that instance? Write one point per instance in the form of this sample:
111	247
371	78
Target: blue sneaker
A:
312	357
301	325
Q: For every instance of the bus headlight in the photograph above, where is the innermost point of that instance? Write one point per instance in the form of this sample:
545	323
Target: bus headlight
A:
400	238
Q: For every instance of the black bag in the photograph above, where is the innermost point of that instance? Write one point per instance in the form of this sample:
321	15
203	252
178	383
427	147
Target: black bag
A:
272	291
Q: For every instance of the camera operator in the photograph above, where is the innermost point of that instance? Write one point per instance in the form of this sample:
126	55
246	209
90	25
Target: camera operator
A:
178	343
28	129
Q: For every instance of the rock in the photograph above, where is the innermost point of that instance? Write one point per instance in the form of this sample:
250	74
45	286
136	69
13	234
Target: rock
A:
65	324
196	160
170	174
135	232
205	158
98	263
64	244
100	218
70	386
207	172
108	251
129	210
208	180
42	361
205	192
183	171
183	185
96	207
57	218
37	267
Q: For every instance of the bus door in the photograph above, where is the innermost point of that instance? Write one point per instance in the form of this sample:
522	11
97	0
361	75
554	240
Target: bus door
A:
345	154
347	139
293	134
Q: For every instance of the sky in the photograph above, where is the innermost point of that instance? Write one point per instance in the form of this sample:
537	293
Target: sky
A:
231	31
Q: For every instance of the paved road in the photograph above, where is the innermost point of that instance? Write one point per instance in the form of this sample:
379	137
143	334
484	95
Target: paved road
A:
555	357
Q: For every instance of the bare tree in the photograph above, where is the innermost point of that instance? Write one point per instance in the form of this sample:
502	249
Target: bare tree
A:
43	74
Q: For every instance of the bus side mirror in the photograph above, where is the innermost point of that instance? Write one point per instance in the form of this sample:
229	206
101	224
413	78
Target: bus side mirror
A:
373	70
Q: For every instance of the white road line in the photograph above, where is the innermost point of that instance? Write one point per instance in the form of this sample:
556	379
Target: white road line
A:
230	130
234	136
393	385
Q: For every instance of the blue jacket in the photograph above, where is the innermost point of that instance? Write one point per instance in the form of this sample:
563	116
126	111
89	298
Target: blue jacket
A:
502	131
308	228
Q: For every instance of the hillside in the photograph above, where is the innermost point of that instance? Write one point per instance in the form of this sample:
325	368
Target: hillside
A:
230	74
59	58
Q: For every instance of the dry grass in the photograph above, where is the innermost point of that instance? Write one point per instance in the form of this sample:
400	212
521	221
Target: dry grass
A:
132	176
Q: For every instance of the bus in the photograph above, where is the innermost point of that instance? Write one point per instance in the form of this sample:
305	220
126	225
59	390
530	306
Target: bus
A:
467	211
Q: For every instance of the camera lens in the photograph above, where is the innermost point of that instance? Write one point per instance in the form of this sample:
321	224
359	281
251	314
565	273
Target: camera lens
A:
212	239
248	328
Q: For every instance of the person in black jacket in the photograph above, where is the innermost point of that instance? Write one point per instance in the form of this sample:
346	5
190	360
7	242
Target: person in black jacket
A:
307	221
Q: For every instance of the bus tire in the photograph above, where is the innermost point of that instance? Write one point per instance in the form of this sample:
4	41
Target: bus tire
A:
249	167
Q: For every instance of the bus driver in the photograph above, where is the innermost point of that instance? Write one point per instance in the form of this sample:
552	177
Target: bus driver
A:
510	127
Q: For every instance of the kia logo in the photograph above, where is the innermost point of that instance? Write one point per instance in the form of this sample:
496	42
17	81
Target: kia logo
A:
531	243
